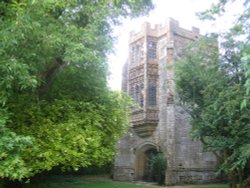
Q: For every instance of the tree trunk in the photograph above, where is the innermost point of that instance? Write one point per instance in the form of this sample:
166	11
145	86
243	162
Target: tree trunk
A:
1	182
241	175
245	183
49	74
231	175
233	180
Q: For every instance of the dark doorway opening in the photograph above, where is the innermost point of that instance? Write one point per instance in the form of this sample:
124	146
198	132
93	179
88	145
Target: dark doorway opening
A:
148	173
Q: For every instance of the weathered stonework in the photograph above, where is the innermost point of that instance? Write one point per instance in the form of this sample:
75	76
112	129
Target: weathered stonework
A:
159	124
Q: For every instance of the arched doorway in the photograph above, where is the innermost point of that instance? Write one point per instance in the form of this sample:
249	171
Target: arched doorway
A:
144	155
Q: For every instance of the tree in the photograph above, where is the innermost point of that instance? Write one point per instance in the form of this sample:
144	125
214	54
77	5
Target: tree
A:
237	37
56	109
236	48
212	89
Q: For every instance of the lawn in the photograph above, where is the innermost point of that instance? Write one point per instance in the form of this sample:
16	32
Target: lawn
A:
80	182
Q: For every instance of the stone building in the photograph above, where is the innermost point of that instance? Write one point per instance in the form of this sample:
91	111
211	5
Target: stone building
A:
159	124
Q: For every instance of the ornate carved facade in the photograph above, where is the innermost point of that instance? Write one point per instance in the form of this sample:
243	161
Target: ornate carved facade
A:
158	123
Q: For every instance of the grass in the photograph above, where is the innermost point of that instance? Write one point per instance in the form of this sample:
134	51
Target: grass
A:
80	182
209	186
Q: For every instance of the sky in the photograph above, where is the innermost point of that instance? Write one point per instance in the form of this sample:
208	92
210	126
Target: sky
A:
182	10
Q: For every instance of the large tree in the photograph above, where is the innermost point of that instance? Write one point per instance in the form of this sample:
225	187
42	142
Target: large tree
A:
211	88
56	109
217	93
238	36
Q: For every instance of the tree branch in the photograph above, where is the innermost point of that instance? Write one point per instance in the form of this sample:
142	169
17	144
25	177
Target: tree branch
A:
48	76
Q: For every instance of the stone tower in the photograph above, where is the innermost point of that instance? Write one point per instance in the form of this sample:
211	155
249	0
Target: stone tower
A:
159	124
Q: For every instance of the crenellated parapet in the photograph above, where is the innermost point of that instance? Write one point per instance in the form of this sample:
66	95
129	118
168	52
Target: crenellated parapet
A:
158	30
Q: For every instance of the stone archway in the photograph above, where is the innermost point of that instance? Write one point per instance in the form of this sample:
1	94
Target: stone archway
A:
144	154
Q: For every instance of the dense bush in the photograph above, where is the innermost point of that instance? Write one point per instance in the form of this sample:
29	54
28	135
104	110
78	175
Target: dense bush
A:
158	166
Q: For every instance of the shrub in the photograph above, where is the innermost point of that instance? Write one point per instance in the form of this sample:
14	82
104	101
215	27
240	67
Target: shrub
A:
158	166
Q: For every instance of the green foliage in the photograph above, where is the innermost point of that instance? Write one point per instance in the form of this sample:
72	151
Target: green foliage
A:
56	109
96	182
238	36
204	63
69	133
11	145
212	89
79	182
159	165
233	101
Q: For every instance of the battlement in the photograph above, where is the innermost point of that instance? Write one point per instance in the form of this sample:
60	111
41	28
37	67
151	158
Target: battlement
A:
157	30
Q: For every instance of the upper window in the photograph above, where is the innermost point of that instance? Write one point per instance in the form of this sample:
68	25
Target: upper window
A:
136	92
152	93
132	92
132	55
141	95
136	54
151	49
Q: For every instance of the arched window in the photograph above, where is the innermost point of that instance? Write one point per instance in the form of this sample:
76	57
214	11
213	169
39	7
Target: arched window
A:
136	54
137	94
152	93
132	92
151	49
132	55
141	95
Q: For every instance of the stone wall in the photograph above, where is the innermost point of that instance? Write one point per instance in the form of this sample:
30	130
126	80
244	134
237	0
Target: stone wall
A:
124	165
